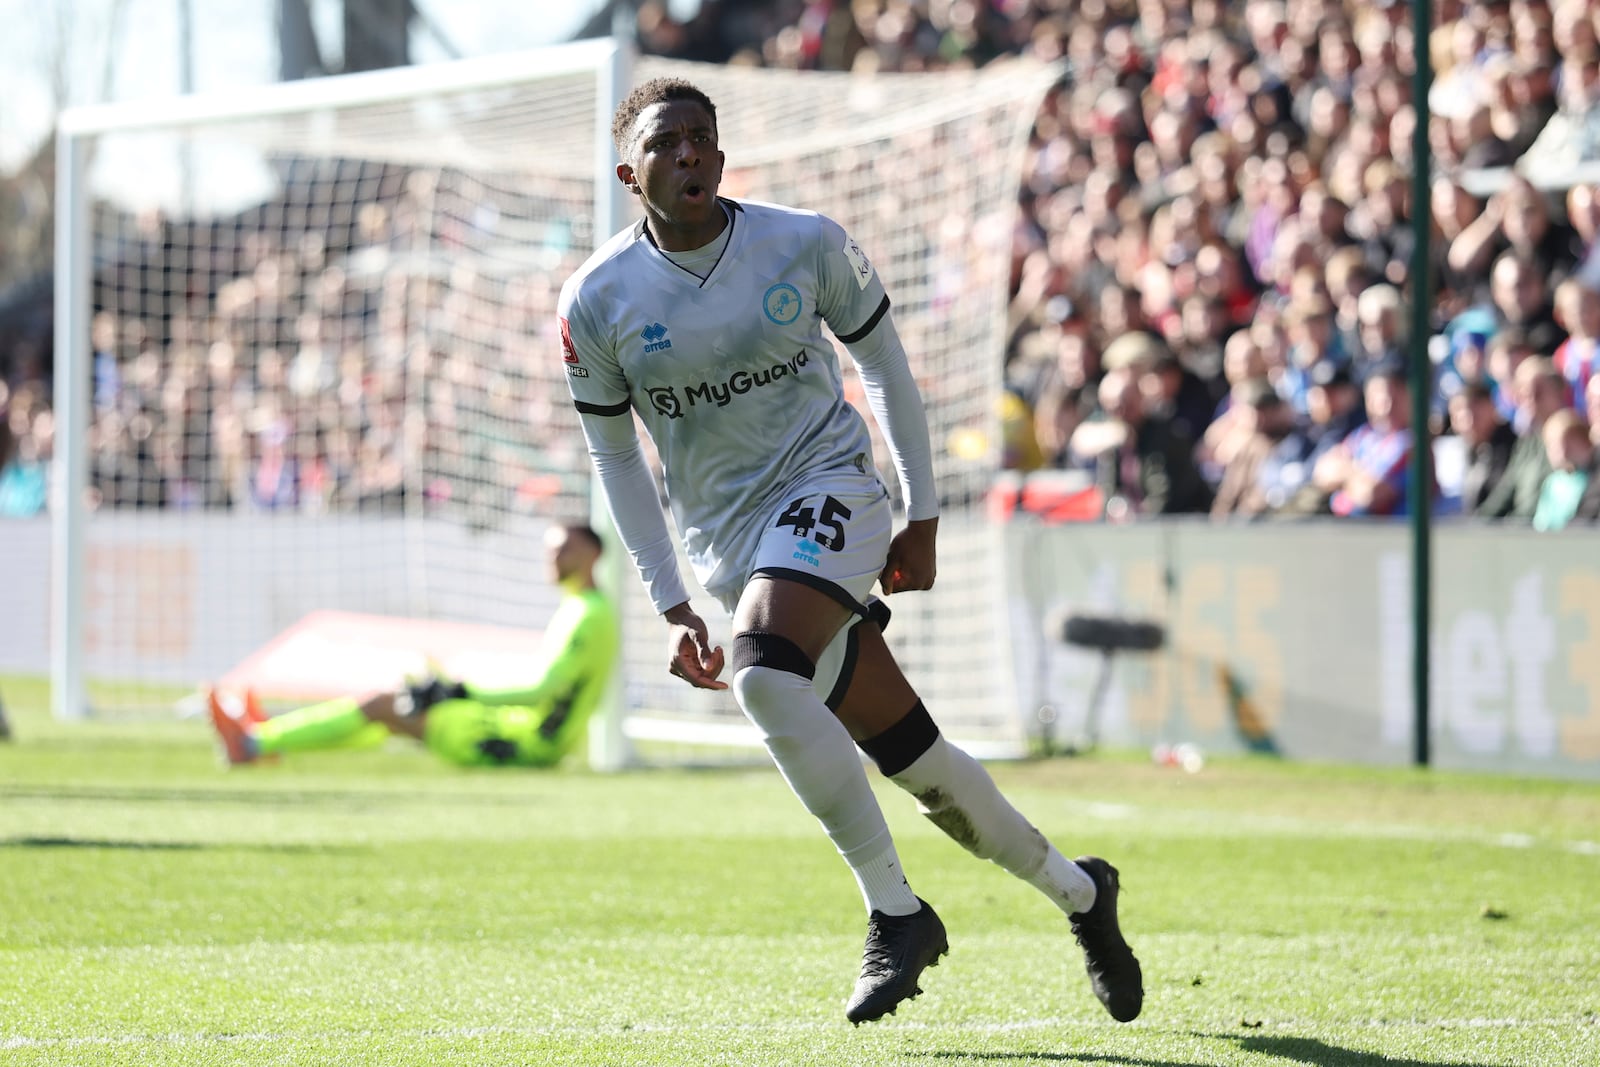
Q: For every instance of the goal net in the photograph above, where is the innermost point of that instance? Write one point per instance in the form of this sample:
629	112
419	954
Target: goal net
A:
309	376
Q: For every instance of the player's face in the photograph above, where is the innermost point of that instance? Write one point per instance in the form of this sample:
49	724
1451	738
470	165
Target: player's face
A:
675	167
567	553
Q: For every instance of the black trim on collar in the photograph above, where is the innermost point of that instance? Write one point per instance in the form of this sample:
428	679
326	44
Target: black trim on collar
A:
731	207
866	328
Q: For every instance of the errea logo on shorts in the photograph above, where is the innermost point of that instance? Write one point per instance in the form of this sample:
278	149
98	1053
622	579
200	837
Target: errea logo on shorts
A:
655	337
808	551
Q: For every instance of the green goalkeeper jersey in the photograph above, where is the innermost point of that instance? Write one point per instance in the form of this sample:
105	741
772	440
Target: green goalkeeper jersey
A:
536	725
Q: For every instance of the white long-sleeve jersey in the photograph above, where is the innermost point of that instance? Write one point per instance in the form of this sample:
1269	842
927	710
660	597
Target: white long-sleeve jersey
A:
736	385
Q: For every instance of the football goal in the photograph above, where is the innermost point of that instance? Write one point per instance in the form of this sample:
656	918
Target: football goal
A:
308	367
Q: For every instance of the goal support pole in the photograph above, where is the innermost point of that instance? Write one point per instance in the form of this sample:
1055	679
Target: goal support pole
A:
608	741
69	469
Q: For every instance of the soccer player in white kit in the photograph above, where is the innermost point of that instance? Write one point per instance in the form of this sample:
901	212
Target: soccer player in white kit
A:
706	319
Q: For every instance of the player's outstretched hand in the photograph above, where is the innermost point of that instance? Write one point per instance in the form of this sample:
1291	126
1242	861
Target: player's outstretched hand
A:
912	558
693	658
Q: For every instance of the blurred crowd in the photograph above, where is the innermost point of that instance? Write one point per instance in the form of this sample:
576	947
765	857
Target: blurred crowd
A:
1210	305
251	365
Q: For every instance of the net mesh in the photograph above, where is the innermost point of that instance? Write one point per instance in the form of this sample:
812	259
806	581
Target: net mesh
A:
326	372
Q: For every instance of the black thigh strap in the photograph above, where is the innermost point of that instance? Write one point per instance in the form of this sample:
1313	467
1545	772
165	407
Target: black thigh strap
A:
756	649
847	668
902	744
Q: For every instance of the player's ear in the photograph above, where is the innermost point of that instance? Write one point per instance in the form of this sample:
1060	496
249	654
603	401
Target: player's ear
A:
625	175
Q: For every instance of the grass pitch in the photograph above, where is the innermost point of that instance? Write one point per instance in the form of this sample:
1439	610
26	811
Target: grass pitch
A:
381	908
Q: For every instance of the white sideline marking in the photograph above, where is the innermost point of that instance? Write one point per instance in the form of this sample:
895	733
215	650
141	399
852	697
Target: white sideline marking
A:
1290	824
649	1028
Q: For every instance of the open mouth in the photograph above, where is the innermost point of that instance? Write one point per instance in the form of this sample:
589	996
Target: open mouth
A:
694	192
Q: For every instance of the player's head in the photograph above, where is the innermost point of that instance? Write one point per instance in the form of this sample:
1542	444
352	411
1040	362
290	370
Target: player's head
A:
666	138
572	549
625	121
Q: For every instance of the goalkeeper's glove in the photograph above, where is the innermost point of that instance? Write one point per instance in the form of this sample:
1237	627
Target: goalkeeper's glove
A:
417	697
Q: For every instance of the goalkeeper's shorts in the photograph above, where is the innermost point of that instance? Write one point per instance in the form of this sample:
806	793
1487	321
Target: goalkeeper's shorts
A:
470	734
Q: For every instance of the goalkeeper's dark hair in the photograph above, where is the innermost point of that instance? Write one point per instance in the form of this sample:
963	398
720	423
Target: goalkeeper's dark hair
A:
587	532
655	91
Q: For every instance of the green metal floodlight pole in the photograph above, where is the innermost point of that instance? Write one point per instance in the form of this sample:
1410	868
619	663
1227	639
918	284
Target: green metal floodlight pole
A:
1420	490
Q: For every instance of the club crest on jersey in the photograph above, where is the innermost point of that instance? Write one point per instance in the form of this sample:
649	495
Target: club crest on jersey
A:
655	337
665	400
808	551
782	303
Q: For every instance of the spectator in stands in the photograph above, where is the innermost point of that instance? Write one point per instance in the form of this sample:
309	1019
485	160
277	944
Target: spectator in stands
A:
1367	473
1242	363
1521	298
1253	482
1591	407
1572	458
1145	466
1541	391
1577	312
1487	442
1380	333
1521	97
1383	222
23	467
1516	222
1174	392
1589	507
1466	358
1312	341
1583	211
1508	350
1453	211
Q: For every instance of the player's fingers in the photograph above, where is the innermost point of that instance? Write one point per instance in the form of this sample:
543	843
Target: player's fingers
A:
702	678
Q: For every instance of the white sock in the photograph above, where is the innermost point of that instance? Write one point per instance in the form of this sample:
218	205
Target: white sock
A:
955	792
883	885
818	759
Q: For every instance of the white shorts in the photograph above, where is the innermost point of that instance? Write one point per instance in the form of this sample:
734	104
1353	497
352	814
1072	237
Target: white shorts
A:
831	533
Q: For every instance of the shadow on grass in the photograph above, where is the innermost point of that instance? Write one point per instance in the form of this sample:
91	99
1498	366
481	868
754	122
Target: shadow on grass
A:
1059	1057
1314	1053
1296	1050
160	846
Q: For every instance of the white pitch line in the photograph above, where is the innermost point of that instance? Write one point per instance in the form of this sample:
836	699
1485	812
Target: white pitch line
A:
457	1033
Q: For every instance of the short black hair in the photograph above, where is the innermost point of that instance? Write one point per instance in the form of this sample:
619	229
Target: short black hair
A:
655	91
585	531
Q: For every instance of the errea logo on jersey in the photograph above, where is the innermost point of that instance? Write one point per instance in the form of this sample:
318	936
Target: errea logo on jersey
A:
655	337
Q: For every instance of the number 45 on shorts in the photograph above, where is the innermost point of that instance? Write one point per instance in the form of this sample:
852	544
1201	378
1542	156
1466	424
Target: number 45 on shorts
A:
825	519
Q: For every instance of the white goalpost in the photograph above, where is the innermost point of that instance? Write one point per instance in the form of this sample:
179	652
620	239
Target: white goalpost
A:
307	367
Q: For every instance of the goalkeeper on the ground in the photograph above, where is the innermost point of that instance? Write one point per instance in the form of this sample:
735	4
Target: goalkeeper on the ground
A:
535	725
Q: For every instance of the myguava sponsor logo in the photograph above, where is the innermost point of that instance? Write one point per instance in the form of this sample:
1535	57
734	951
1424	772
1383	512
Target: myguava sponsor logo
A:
740	382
